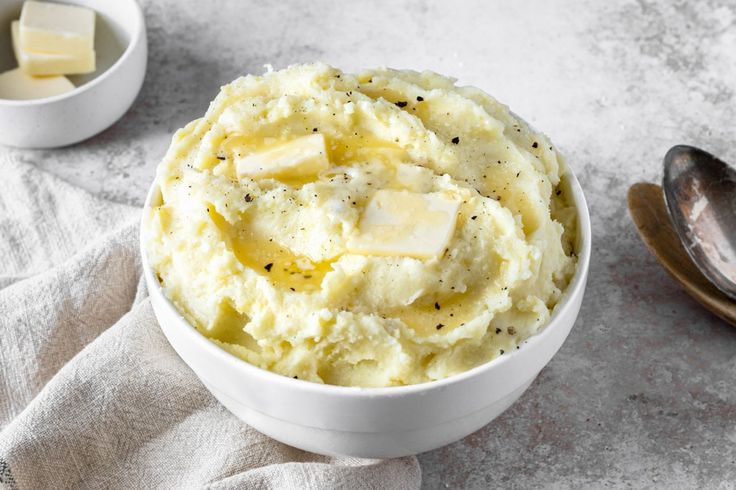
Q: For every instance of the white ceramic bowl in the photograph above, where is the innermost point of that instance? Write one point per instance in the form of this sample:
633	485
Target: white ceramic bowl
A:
100	98
372	422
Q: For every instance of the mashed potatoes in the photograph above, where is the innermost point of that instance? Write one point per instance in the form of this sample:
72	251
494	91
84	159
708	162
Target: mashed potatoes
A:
379	229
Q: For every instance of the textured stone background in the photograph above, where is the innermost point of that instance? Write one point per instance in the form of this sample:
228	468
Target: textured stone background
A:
643	394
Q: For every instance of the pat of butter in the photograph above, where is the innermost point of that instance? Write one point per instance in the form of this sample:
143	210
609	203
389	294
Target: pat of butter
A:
406	224
56	28
15	84
41	63
298	158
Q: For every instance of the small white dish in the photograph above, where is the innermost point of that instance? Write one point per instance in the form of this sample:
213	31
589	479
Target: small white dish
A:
100	98
372	422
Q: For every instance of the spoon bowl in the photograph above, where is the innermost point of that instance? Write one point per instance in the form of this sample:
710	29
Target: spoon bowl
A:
700	193
652	220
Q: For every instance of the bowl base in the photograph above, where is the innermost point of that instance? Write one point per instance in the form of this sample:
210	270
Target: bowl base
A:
367	444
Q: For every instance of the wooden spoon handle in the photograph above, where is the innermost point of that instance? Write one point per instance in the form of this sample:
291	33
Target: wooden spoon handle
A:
648	211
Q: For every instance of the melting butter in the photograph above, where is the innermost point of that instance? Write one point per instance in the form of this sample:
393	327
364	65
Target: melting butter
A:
270	259
406	223
299	157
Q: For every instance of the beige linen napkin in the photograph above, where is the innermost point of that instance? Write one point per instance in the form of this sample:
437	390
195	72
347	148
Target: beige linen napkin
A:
91	393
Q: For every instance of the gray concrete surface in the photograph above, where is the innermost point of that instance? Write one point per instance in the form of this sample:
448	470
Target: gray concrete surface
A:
643	394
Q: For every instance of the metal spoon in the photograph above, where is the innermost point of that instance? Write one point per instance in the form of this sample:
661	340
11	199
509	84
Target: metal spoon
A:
700	191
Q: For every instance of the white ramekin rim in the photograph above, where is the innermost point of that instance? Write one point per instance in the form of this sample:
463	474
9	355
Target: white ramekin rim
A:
137	37
575	288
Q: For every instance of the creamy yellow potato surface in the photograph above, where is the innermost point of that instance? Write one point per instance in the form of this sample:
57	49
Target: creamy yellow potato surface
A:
379	229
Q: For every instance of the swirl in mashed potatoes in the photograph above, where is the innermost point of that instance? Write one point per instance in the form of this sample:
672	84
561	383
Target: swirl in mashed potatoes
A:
380	229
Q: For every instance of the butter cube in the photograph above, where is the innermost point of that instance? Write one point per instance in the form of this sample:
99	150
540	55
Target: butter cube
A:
298	158
405	224
41	63
17	85
56	28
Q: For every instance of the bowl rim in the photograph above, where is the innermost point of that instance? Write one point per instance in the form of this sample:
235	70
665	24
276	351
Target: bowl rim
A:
575	288
135	39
